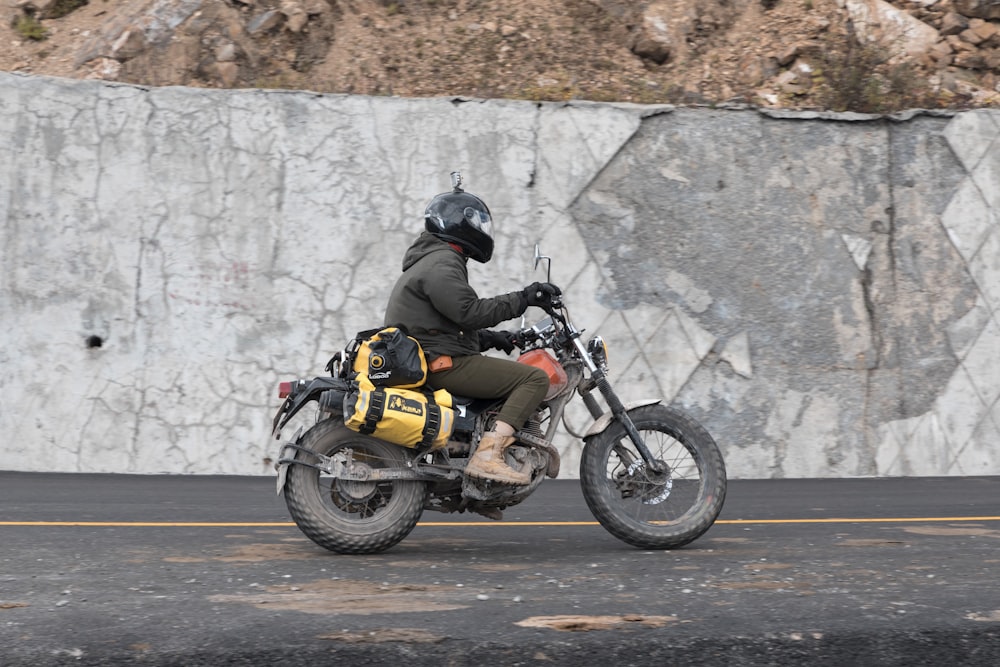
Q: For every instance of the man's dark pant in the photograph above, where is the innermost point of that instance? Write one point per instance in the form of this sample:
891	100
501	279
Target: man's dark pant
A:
480	376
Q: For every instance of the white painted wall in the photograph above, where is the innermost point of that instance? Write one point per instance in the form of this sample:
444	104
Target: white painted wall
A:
220	241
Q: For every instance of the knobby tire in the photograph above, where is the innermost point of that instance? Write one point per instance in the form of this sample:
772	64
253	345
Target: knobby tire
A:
352	517
645	509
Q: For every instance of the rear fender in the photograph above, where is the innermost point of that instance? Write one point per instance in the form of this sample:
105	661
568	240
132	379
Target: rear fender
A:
604	421
303	393
286	456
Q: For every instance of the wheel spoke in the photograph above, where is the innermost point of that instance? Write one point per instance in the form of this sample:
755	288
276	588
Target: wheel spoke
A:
645	495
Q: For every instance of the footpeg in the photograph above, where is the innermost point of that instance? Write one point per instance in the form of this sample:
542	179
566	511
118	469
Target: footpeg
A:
552	470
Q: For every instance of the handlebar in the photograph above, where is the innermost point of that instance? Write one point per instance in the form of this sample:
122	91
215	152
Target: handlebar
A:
550	331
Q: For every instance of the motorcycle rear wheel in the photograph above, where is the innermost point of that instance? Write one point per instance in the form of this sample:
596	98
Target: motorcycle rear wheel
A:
350	517
649	509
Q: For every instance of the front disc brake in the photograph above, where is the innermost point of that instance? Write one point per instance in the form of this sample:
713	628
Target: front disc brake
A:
650	486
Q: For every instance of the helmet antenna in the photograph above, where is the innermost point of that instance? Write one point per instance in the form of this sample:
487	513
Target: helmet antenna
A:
456	181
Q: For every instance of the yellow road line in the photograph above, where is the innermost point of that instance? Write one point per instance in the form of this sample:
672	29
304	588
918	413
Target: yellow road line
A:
935	519
144	524
442	524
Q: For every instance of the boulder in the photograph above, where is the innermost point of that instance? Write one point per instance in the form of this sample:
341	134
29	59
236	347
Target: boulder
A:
296	16
986	30
227	73
129	44
896	30
265	23
953	23
653	39
797	80
970	60
982	9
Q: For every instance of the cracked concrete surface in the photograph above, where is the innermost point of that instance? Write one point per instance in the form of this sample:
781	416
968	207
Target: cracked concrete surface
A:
819	290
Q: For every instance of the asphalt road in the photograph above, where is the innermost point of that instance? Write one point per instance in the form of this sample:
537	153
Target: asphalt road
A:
166	570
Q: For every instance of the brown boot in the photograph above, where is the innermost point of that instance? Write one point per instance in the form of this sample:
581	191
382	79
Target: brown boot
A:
488	462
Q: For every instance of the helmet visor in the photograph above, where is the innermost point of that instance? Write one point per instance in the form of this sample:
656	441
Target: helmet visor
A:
479	220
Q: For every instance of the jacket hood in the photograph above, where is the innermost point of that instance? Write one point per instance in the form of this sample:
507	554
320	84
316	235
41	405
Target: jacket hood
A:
425	244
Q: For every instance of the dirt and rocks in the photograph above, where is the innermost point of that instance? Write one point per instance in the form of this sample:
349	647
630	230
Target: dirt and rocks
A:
860	55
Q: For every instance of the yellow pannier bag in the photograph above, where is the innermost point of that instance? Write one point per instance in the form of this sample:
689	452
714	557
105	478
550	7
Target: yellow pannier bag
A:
411	418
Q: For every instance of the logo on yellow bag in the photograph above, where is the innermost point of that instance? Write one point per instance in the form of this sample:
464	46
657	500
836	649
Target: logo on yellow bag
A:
400	404
376	361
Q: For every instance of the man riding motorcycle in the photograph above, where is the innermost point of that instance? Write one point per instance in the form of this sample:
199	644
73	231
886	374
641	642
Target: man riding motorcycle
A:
435	303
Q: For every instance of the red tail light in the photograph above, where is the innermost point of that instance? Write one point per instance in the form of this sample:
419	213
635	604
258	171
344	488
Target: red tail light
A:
284	389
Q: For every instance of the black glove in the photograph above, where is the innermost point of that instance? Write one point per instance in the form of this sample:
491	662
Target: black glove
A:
498	340
540	294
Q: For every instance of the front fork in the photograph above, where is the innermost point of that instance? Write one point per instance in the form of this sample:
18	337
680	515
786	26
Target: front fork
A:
619	412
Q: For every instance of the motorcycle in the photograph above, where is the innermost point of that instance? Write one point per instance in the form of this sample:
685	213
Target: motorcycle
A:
651	475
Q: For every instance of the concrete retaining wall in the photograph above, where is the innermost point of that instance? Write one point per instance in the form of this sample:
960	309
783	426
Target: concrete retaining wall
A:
819	291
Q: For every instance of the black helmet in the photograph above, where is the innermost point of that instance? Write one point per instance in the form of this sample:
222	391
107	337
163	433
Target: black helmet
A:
462	218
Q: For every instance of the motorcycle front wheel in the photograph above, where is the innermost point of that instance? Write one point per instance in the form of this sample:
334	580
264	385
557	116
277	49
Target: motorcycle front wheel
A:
351	517
654	507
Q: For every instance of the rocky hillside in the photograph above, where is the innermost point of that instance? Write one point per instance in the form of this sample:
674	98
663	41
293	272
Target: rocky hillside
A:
861	55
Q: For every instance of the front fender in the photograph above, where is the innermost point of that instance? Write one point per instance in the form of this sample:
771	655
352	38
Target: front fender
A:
602	422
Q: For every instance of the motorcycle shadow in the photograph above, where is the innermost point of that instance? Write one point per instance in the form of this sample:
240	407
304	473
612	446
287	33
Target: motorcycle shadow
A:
505	542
